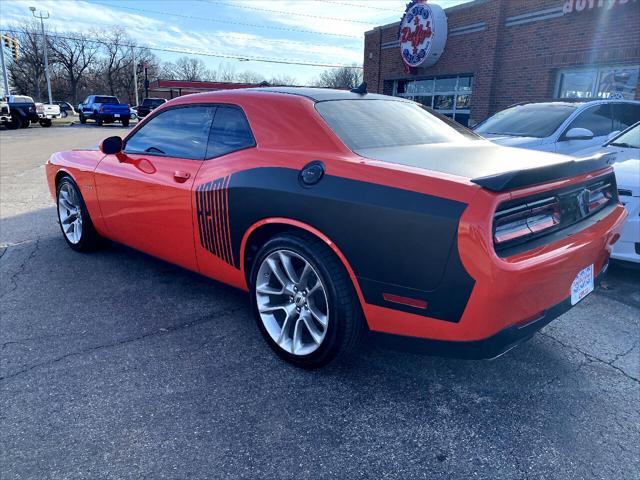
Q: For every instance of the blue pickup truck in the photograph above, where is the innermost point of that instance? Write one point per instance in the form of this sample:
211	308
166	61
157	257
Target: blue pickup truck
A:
104	109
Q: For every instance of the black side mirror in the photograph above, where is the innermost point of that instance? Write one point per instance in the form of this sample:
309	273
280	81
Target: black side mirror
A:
111	145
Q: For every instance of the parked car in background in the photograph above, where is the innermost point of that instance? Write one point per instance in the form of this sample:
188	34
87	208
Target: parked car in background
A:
5	113
625	151
47	113
104	109
23	111
352	222
561	127
134	113
623	146
66	109
149	104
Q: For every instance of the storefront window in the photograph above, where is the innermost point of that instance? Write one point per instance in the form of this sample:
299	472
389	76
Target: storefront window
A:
453	97
606	82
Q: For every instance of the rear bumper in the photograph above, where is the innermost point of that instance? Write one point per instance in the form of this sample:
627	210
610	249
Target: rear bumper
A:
487	348
111	117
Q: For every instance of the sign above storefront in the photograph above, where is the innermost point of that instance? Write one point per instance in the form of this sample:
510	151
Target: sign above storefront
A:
571	6
422	34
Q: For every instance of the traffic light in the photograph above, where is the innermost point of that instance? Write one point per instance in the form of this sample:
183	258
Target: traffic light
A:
11	43
15	48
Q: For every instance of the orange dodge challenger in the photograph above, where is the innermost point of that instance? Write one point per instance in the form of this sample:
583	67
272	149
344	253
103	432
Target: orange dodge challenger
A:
345	211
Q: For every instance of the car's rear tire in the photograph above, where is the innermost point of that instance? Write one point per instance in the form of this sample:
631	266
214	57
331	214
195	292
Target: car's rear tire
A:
83	119
125	123
24	123
99	120
73	216
45	123
303	301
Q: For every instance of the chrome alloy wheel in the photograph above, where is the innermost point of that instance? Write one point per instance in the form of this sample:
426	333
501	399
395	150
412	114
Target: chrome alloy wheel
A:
70	213
292	302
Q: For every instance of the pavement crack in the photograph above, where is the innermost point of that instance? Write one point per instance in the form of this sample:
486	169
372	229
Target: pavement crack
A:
593	358
13	279
159	331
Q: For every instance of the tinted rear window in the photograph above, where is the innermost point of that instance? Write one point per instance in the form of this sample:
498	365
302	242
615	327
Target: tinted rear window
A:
107	100
364	124
148	102
532	120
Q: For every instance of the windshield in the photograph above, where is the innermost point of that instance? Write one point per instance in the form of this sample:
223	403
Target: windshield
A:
107	100
631	138
363	124
537	120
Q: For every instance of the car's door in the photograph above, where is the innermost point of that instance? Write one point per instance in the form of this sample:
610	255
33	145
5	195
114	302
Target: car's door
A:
597	119
145	191
230	149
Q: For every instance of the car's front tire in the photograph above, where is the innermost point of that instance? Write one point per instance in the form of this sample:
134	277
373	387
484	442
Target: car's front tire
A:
99	120
303	301
24	123
45	123
83	119
73	216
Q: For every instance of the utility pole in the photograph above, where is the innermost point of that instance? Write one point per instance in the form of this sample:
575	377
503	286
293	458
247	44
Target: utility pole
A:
135	73
4	69
146	82
44	46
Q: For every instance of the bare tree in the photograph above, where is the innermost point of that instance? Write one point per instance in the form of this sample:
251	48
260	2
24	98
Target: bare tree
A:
283	80
343	77
188	69
118	56
27	74
75	55
249	77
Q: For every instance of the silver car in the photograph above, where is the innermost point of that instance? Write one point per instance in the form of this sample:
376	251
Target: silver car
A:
562	127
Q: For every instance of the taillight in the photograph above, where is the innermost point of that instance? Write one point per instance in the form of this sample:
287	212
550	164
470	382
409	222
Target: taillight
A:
101	108
598	196
519	221
522	221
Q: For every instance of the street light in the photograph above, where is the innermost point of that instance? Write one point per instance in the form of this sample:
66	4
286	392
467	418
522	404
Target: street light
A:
44	46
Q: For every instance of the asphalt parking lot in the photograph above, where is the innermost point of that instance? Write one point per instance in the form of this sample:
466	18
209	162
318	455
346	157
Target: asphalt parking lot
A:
115	365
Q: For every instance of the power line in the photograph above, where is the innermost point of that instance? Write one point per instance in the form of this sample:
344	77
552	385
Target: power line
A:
368	5
307	15
229	22
206	54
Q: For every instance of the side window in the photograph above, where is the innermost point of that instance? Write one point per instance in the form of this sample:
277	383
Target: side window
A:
625	115
178	132
597	119
230	132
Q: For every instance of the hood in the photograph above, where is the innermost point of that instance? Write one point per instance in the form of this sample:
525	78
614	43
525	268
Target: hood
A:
628	175
471	159
511	141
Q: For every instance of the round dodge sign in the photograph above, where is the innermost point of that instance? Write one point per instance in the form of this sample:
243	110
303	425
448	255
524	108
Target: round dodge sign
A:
423	34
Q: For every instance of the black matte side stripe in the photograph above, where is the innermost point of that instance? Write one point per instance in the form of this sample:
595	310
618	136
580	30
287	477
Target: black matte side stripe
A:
212	204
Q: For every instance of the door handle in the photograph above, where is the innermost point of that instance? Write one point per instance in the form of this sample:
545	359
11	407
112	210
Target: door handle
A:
180	176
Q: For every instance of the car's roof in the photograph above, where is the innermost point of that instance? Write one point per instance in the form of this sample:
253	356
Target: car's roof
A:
317	94
575	103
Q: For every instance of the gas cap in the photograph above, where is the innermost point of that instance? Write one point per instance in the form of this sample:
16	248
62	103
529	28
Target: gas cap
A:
311	173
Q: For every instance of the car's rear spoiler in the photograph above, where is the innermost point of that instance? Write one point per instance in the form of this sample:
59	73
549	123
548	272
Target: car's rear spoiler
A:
534	176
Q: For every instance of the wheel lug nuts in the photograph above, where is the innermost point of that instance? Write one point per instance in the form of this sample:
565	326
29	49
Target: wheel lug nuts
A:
295	289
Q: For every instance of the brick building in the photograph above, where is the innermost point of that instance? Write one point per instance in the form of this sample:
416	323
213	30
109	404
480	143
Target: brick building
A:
501	52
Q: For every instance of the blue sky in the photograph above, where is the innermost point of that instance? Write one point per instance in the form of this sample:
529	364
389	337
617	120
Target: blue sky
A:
333	30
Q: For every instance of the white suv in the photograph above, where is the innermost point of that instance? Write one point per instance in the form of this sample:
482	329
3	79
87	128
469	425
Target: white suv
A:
562	127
